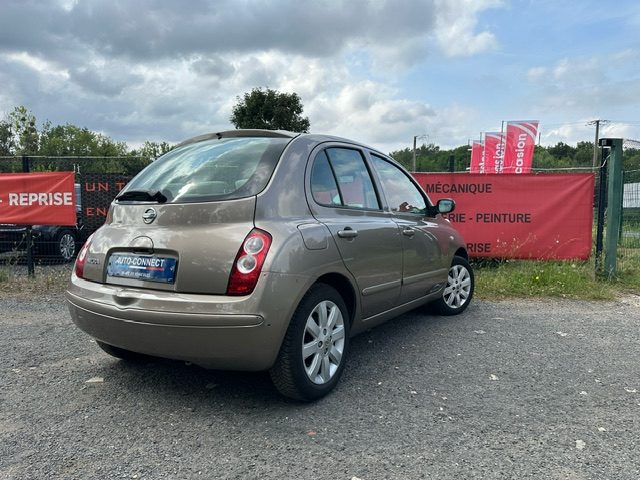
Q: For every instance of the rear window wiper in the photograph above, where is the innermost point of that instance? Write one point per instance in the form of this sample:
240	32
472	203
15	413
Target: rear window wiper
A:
143	196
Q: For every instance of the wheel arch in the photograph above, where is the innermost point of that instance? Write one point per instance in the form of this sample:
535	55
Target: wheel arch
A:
461	252
344	287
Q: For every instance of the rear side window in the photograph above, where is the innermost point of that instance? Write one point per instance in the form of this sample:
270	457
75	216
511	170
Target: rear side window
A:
340	178
323	184
217	169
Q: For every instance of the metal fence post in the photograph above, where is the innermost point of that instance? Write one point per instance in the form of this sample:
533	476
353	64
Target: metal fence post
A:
602	204
614	204
452	163
621	206
31	270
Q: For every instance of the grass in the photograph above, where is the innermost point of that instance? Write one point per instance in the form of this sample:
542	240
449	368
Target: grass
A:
552	279
564	279
629	268
48	280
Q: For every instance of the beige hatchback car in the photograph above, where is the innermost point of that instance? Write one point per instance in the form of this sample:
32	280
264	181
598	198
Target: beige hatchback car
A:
265	250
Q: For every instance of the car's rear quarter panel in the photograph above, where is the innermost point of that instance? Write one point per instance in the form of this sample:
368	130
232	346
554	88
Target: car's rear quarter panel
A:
282	210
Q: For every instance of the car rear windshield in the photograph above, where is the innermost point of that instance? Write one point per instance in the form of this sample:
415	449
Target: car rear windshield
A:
210	170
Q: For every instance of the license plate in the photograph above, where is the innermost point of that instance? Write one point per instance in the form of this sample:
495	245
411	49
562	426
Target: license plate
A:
149	268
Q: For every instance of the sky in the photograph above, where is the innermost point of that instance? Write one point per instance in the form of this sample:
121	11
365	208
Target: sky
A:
377	71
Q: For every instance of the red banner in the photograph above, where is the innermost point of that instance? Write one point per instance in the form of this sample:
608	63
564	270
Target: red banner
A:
520	144
38	198
513	216
477	152
493	152
98	191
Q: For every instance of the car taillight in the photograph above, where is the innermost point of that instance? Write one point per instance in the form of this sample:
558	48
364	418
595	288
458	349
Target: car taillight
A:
248	263
82	257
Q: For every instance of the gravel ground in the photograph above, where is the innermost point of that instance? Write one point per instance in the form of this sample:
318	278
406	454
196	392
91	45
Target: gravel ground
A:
520	389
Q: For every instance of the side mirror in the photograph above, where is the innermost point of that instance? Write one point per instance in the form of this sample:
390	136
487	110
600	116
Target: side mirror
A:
446	205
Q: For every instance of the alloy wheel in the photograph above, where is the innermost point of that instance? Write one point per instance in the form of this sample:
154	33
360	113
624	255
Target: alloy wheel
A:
323	342
67	246
458	289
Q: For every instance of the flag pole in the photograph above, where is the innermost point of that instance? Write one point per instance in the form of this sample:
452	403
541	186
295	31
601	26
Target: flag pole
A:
502	147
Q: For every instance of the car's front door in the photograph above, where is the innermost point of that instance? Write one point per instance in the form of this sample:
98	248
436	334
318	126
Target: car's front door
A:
345	200
423	266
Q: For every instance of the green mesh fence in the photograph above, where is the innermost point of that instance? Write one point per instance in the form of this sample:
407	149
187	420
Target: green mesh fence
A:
629	243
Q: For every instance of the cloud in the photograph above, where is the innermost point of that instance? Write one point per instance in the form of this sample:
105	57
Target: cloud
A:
215	67
456	27
158	29
585	131
102	80
370	112
165	70
587	86
570	133
536	73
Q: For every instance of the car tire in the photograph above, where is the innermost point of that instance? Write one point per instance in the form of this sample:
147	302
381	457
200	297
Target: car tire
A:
66	245
315	347
120	353
458	292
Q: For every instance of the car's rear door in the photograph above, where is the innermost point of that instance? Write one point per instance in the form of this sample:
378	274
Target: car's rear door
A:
343	197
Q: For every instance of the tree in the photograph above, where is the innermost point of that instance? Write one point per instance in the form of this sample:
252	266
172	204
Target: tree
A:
25	137
429	158
70	139
270	110
562	151
584	154
63	140
152	150
20	135
6	138
631	165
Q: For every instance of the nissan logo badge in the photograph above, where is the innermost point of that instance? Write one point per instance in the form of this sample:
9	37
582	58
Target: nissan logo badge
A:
149	215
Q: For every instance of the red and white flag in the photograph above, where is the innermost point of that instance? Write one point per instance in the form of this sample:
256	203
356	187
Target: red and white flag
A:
477	152
493	152
521	142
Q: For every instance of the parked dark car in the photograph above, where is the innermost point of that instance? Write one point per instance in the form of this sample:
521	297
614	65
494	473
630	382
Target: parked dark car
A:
57	242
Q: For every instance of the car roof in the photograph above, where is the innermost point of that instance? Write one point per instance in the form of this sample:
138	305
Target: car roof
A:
240	133
316	137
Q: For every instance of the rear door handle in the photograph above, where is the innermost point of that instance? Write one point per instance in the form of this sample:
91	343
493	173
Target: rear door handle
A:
348	232
408	231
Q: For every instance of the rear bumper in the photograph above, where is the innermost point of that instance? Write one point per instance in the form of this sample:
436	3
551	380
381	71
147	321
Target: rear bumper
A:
209	330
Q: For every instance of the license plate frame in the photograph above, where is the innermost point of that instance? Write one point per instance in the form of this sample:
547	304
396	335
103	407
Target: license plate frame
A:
146	268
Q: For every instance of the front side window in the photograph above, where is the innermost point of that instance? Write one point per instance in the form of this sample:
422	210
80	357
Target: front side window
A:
402	195
209	170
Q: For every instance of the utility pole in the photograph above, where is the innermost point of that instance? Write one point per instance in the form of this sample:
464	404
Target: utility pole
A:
415	138
595	143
